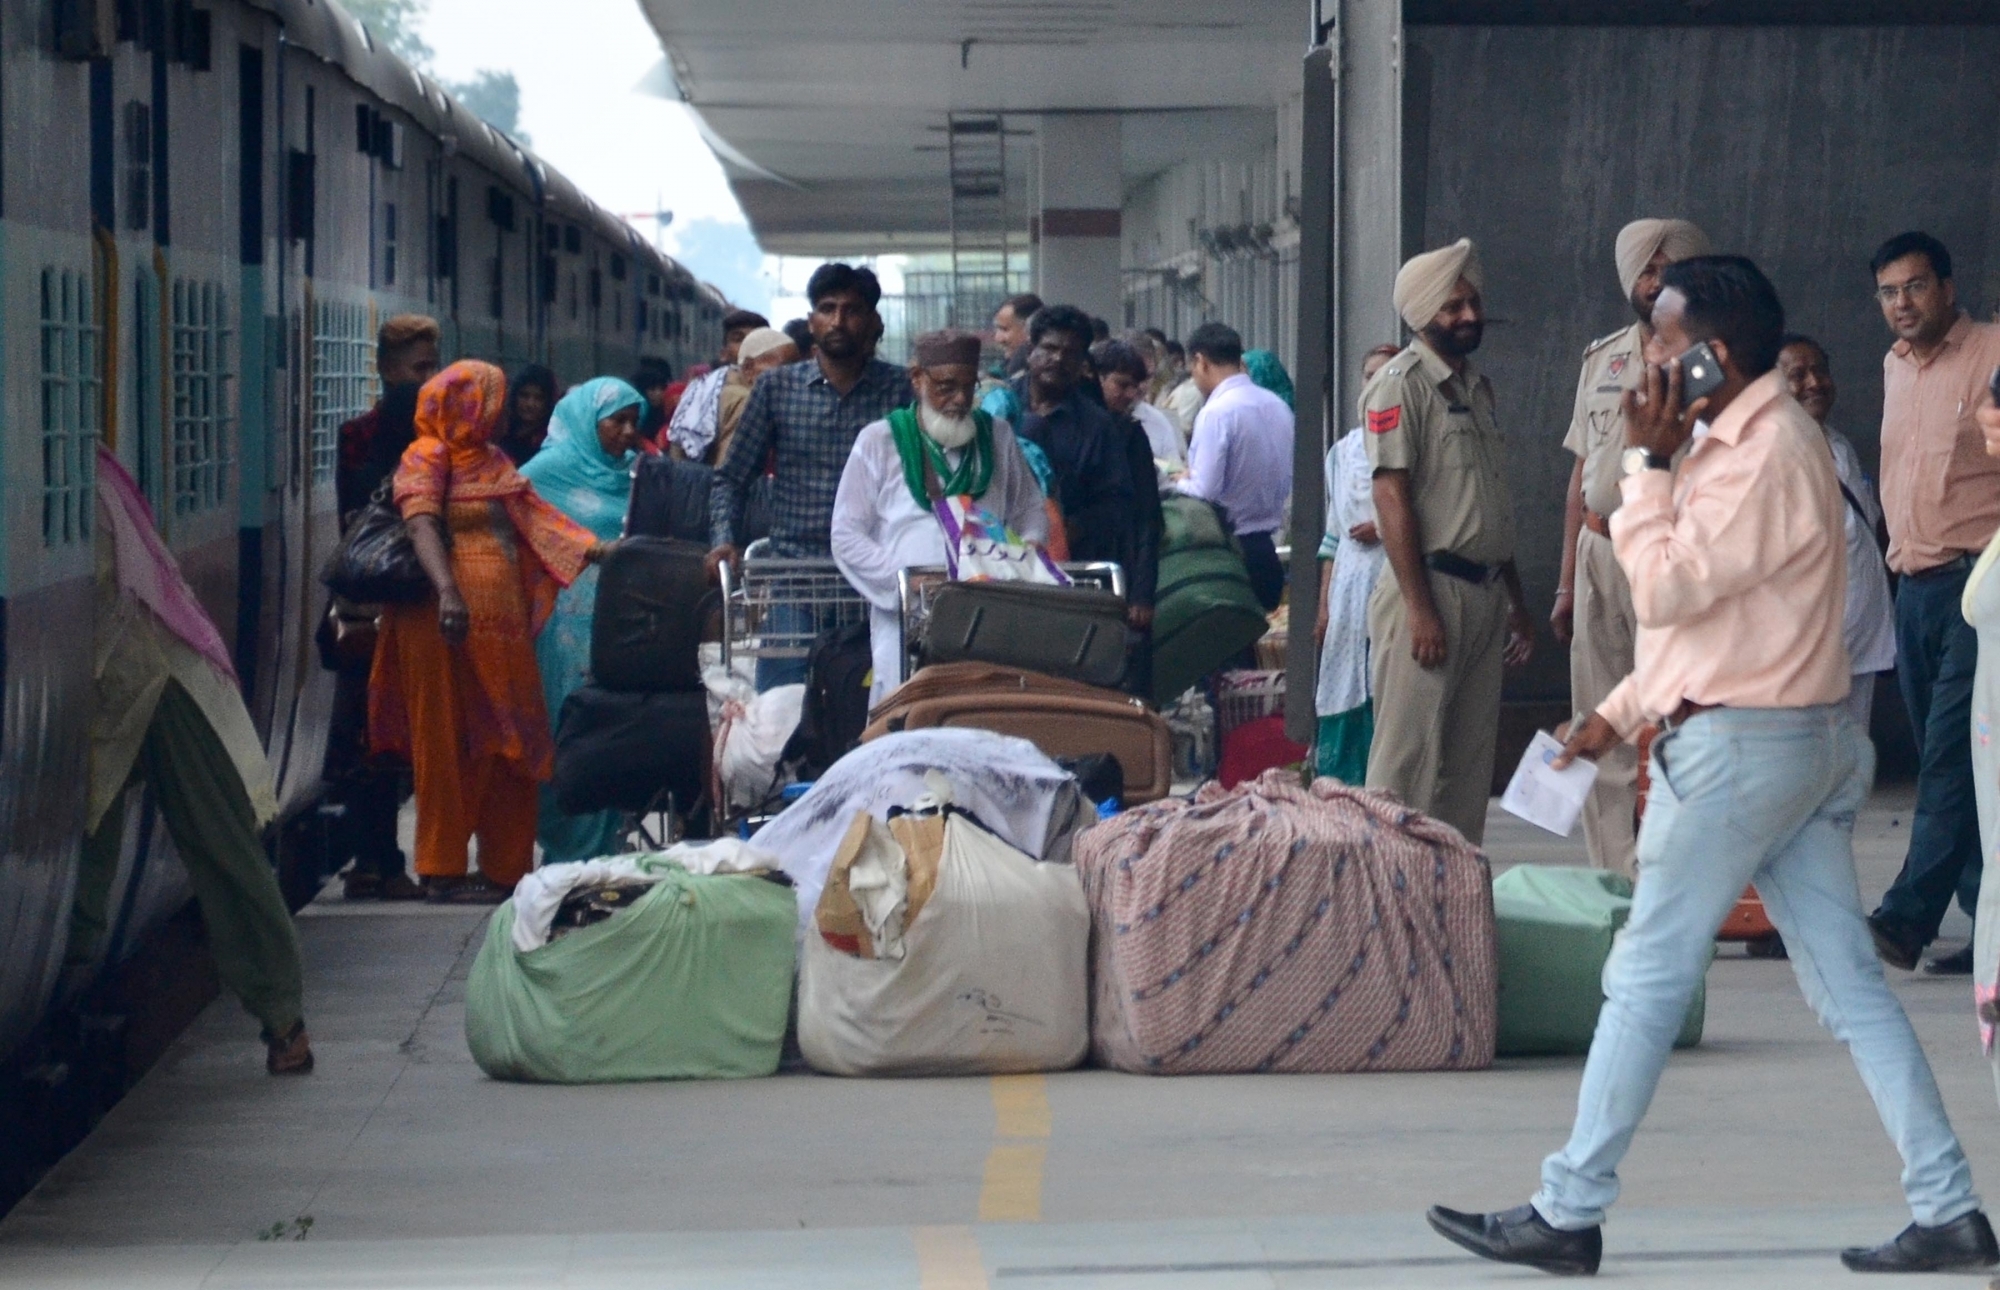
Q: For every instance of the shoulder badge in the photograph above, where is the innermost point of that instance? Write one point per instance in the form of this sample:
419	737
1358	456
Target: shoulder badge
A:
1385	419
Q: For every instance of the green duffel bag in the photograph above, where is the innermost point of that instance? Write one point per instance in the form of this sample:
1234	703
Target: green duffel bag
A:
1555	926
1204	612
693	981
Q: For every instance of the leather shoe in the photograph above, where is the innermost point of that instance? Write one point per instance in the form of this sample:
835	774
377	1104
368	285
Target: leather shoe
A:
1958	964
1898	948
1965	1244
1520	1235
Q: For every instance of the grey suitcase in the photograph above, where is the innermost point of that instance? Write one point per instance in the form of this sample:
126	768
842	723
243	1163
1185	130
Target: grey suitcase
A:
1077	633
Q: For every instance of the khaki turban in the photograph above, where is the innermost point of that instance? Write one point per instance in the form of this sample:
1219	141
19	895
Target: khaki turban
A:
1425	283
759	343
947	349
1642	238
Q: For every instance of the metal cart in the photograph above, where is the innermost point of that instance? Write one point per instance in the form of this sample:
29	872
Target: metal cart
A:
773	608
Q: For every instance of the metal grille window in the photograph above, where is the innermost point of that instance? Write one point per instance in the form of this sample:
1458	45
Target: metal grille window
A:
71	405
204	397
343	383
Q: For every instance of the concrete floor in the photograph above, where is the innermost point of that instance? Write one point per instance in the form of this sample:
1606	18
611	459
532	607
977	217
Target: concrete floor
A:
399	1164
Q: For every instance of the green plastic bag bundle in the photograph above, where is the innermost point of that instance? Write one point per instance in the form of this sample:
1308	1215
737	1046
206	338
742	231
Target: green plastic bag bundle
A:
1556	923
693	981
1204	612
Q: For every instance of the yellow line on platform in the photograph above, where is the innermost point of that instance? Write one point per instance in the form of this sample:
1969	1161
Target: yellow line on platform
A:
1011	1191
948	1258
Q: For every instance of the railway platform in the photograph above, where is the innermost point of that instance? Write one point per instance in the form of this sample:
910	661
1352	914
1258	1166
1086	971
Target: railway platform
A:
398	1164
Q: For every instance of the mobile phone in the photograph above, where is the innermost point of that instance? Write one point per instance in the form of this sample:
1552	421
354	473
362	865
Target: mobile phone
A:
1701	373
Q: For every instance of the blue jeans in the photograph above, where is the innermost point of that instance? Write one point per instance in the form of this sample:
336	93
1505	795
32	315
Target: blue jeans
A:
791	620
1740	795
1936	653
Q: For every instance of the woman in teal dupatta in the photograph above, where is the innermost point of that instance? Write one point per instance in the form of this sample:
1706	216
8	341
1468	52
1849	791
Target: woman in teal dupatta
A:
584	470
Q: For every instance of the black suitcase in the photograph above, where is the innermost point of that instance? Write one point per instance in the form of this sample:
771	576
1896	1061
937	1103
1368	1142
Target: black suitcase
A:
1077	633
669	499
626	752
836	707
646	634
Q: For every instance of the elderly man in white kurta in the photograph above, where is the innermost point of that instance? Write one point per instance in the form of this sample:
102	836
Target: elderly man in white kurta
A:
883	516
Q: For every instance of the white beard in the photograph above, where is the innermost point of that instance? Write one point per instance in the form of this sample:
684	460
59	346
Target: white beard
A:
949	433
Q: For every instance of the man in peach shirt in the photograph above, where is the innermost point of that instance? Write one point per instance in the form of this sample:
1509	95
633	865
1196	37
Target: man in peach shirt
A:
1738	576
1941	498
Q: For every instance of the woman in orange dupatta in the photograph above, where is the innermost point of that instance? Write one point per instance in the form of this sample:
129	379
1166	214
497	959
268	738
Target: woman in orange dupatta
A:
455	687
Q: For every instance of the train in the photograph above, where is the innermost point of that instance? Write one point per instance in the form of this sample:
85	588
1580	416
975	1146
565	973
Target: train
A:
205	211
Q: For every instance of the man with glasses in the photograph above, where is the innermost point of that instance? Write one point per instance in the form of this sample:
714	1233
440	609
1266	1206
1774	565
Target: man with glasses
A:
1941	498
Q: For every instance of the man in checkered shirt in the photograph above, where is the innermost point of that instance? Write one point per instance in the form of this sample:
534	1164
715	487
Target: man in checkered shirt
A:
803	419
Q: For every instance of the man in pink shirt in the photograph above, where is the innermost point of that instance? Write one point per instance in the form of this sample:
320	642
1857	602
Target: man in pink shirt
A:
1738	575
1941	498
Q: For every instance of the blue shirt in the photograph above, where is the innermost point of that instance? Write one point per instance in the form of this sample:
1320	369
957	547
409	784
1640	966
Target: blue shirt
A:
1240	455
795	415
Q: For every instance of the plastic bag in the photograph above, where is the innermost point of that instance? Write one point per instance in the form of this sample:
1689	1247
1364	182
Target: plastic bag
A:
978	547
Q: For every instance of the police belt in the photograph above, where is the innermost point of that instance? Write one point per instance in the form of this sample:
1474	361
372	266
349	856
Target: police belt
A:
1457	566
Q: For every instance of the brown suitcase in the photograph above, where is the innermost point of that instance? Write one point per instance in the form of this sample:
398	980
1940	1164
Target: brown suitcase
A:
1062	718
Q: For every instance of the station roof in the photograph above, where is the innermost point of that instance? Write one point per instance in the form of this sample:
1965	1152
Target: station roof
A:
830	118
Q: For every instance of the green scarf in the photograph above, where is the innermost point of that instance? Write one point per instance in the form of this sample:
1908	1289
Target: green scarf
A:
975	466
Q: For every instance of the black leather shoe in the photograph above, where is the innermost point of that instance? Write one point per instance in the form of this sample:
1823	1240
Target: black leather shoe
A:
1965	1244
1897	945
1959	964
1520	1235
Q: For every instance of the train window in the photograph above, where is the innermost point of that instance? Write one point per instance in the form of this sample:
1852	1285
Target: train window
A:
203	398
71	405
618	268
389	244
653	284
343	378
138	165
500	208
191	31
573	240
300	186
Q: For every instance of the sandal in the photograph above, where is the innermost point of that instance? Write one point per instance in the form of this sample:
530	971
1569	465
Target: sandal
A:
474	890
291	1055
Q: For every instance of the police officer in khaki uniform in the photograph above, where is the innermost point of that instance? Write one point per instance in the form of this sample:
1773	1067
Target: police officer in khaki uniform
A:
1593	601
1440	629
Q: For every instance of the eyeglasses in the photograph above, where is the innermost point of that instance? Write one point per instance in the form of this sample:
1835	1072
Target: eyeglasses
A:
1912	289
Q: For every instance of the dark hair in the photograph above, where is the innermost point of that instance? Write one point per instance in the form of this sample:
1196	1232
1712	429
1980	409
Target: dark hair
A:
651	374
1729	299
1099	329
801	333
743	320
1067	319
1792	338
1023	307
1109	356
1218	343
1157	334
531	374
1913	243
834	277
1176	349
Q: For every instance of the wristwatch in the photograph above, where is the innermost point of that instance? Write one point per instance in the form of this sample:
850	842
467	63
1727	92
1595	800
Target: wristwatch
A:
1638	460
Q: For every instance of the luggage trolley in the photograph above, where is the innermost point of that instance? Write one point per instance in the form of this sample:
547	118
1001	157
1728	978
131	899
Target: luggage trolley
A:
777	606
917	587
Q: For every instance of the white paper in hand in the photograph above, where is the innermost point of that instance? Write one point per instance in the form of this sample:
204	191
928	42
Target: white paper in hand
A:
1544	796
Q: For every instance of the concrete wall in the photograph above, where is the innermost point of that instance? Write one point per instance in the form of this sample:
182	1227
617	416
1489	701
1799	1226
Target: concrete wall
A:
1801	147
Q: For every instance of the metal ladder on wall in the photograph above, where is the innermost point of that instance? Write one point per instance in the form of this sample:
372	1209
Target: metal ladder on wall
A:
981	232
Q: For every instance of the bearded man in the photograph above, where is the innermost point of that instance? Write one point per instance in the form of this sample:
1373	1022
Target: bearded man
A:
939	446
1441	628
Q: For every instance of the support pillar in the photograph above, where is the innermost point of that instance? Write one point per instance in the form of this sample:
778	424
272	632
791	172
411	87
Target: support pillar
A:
1080	253
1351	244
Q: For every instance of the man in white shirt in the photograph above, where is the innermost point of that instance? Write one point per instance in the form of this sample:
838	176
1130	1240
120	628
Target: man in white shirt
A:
695	421
1240	457
1869	627
883	521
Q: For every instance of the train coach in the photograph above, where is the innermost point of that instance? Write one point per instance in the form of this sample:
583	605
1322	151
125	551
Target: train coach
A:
205	210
